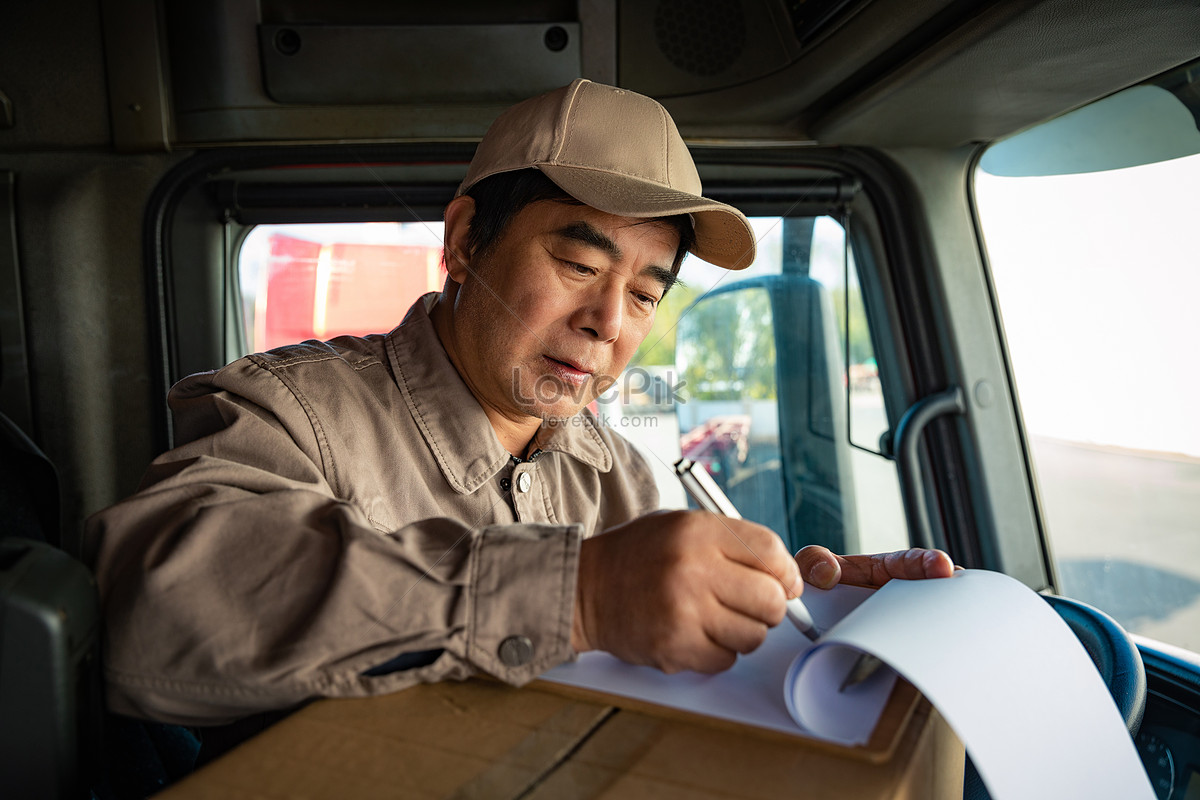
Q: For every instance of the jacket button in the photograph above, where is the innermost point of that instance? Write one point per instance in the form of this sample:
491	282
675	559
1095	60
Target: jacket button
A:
516	651
505	484
524	481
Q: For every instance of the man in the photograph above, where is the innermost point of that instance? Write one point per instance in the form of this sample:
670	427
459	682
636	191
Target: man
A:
352	517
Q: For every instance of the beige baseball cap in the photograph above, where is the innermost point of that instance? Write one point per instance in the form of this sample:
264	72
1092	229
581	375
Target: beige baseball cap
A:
616	151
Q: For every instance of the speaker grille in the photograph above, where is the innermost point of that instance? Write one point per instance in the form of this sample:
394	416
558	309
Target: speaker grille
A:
703	37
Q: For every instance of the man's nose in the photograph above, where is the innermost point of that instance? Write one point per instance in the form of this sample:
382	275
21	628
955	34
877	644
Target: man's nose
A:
601	316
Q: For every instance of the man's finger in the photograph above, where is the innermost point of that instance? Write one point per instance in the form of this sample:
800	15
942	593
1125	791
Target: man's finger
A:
876	570
752	593
917	563
713	660
759	547
731	630
819	566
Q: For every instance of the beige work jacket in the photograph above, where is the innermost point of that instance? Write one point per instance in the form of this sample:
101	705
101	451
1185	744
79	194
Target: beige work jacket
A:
332	506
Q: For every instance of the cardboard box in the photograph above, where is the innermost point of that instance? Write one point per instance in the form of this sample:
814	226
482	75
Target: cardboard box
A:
481	739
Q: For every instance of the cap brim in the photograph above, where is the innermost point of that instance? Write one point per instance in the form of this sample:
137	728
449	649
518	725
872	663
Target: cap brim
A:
723	234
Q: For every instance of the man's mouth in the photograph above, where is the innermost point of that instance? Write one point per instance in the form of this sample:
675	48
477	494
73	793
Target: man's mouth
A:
568	371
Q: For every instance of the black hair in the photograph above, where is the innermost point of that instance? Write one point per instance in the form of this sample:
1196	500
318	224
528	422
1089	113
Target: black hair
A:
500	197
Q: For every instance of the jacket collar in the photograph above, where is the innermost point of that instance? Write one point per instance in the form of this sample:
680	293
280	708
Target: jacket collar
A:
452	422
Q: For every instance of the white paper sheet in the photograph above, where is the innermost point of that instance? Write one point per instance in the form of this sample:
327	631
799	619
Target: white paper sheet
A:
1011	679
999	664
752	692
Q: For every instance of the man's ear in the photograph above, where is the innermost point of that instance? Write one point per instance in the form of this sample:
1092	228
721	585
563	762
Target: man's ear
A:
457	255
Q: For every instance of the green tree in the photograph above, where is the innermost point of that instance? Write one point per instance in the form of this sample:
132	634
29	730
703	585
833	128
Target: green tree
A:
658	348
727	347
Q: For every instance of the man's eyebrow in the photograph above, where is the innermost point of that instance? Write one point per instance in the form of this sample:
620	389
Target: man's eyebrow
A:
585	233
588	234
662	275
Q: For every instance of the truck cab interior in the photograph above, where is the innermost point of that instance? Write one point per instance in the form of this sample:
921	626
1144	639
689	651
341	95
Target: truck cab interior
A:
969	325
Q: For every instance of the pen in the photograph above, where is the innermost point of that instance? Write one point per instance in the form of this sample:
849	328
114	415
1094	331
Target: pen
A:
708	495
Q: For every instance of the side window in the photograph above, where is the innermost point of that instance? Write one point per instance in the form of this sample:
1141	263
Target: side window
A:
1088	223
319	281
766	377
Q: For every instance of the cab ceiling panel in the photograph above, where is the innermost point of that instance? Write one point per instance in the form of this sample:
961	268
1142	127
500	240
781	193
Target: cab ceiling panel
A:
399	65
882	72
321	71
678	47
1003	71
729	69
318	70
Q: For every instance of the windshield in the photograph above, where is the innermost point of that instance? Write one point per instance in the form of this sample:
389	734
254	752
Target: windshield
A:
1097	279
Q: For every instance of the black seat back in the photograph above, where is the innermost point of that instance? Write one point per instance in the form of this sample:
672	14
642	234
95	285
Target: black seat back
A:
50	703
28	488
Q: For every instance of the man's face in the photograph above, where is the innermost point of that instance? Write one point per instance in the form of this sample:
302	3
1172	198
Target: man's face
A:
547	318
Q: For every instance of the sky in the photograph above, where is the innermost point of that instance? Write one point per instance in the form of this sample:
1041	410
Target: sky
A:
1098	280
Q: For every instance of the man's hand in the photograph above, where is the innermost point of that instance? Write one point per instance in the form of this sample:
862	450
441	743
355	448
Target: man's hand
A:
682	590
824	569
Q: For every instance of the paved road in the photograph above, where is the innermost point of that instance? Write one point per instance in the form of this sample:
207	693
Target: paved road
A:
1125	530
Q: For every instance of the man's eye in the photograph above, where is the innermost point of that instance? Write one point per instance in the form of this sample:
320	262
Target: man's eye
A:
581	269
645	299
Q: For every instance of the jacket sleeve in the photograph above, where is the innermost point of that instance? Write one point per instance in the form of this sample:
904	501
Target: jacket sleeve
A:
235	581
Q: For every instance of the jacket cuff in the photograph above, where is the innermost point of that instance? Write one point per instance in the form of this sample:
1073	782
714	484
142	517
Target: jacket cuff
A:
522	599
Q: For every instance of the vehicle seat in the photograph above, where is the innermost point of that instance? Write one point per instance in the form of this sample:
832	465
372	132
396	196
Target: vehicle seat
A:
28	488
49	633
56	738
